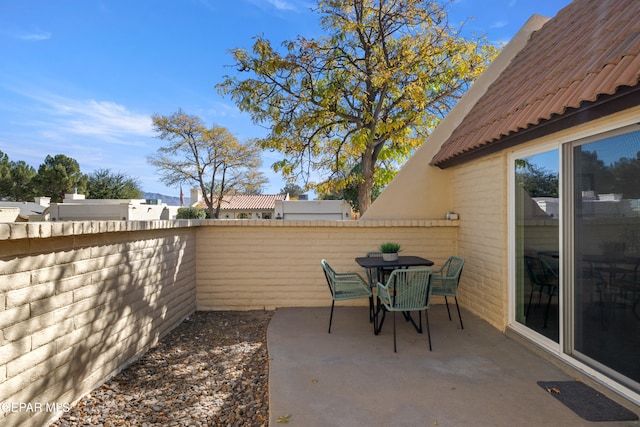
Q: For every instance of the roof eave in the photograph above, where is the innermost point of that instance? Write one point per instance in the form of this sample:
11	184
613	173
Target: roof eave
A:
625	98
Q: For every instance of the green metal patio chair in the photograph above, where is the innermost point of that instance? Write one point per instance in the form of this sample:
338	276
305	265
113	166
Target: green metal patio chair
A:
406	290
345	286
446	280
372	276
544	280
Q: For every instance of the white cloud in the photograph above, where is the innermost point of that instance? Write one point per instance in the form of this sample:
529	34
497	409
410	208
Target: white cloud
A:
277	4
62	118
499	24
36	36
96	118
282	5
31	35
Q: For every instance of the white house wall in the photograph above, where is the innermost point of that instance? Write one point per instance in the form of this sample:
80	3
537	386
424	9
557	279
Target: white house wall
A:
313	209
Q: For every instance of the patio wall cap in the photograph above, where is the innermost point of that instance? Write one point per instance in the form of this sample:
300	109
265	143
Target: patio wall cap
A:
330	223
43	230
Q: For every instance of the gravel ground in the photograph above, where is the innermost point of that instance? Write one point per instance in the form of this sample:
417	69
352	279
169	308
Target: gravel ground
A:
212	370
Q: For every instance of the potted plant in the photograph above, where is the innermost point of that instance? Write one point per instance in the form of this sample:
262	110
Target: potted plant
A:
390	251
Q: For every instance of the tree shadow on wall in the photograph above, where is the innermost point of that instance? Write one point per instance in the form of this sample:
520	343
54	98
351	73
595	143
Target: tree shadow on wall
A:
113	296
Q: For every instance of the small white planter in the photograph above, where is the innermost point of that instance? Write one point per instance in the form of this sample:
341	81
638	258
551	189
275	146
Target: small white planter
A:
390	256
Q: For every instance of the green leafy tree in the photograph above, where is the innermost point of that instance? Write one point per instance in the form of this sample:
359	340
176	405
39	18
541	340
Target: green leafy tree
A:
15	180
536	180
620	176
5	176
210	158
350	192
21	188
57	176
105	184
595	176
365	94
626	174
294	190
191	212
252	181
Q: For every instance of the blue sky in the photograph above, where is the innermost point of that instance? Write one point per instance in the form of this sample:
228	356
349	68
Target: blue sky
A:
83	77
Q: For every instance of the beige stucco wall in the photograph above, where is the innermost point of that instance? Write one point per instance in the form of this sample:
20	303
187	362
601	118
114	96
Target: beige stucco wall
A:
81	300
480	198
266	264
78	301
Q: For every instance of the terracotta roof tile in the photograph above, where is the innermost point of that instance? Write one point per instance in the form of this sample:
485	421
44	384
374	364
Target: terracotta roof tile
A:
251	201
591	48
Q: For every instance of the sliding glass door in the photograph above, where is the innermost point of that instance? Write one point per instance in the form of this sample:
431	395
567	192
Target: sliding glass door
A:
575	250
605	211
537	267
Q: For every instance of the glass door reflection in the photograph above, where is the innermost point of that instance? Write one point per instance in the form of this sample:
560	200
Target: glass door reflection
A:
537	243
606	211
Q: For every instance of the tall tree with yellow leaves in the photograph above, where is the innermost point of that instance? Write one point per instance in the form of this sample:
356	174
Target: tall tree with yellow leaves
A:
211	159
354	104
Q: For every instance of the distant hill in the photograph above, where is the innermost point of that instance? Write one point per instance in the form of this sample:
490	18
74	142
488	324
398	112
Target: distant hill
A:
169	200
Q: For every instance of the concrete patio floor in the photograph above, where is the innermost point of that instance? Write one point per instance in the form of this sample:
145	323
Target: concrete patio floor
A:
473	377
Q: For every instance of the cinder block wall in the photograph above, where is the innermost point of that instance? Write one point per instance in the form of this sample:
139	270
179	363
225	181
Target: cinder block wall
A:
250	264
79	301
480	197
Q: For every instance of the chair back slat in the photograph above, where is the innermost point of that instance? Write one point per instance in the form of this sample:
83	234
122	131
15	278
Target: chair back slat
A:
330	274
346	286
411	288
540	273
447	278
550	264
454	267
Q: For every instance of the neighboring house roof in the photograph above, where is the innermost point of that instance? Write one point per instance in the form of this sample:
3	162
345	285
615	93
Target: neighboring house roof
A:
250	201
588	54
26	208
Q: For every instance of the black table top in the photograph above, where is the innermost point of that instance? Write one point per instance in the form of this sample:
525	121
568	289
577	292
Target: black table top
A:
403	261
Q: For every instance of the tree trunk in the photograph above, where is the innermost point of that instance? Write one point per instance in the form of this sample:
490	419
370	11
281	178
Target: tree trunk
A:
366	184
364	196
208	200
210	209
